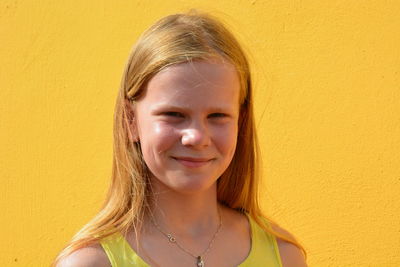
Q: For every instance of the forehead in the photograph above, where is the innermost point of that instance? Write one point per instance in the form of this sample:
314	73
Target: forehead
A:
192	82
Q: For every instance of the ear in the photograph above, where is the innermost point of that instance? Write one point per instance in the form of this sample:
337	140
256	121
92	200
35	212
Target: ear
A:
132	125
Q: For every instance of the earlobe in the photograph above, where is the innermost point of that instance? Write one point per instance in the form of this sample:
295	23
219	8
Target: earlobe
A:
131	122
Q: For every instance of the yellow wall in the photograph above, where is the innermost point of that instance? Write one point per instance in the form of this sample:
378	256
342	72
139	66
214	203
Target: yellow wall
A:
328	109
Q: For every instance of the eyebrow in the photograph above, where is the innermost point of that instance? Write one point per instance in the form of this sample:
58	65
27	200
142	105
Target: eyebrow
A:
218	109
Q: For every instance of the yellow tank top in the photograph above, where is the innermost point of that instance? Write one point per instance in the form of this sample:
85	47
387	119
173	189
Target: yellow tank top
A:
264	250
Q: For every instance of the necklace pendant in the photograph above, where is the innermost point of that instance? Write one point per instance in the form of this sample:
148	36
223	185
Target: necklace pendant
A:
171	238
200	262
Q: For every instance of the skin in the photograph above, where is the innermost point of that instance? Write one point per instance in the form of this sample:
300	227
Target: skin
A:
186	124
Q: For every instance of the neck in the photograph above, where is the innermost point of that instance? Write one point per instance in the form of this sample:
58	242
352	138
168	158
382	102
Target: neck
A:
190	214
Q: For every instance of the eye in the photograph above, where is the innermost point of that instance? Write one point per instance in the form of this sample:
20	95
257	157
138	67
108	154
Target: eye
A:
173	114
218	115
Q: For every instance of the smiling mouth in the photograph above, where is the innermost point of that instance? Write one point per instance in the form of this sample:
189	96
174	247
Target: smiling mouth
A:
192	162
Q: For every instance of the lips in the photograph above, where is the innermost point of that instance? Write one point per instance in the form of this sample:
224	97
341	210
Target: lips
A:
193	162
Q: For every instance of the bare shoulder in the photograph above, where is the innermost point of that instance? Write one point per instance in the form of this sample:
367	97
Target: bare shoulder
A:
291	256
86	257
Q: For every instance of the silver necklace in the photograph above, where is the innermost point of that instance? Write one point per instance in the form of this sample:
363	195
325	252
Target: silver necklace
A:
199	258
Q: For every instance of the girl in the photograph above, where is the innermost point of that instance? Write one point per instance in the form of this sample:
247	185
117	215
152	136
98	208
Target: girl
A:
184	181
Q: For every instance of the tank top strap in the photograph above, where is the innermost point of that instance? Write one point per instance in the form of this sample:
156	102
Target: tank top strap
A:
120	253
264	248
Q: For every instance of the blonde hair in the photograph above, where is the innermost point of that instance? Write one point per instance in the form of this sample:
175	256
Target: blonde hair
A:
172	40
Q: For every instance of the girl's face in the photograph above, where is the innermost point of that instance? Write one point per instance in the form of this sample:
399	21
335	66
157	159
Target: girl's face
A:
187	124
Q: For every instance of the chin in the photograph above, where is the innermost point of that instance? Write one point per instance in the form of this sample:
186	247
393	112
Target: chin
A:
189	185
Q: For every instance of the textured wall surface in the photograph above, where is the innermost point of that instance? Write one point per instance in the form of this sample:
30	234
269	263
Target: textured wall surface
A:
328	112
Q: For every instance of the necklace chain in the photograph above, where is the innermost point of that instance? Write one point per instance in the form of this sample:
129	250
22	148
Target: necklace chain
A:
199	258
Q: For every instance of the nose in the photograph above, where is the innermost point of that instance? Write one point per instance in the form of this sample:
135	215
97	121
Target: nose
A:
196	135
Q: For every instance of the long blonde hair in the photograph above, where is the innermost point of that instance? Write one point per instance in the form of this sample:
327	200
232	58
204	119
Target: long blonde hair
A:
175	39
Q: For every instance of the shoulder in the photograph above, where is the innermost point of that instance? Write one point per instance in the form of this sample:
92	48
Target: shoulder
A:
291	256
86	257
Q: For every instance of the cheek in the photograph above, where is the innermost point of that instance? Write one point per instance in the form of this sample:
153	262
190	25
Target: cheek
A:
156	138
226	141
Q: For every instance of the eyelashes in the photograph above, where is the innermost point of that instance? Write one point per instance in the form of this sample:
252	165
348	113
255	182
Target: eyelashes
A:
218	115
175	114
